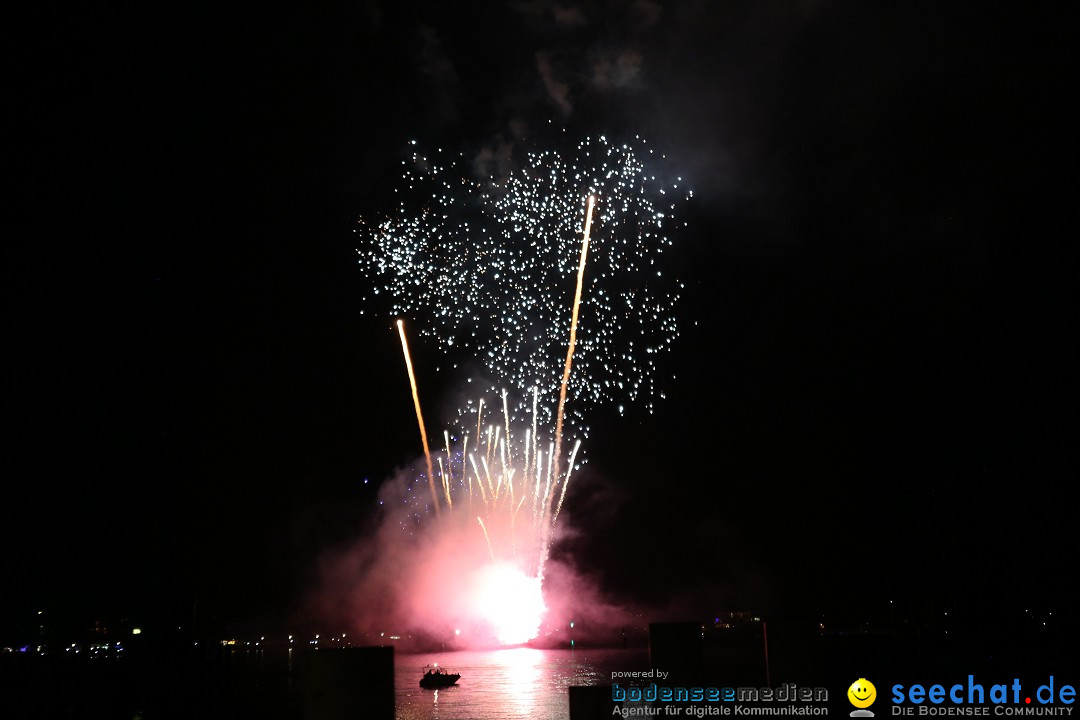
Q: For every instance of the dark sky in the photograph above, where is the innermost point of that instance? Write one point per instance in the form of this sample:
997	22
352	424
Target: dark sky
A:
877	374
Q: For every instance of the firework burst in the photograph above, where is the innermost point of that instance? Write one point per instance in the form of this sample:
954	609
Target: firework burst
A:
486	267
509	591
486	270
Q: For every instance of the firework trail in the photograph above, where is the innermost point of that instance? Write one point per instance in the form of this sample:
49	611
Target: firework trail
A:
573	335
419	416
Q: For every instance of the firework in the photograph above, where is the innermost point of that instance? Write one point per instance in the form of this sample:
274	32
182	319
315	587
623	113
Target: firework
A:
514	488
485	268
508	488
523	541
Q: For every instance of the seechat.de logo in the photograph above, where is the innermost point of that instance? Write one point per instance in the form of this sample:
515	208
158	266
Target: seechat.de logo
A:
862	694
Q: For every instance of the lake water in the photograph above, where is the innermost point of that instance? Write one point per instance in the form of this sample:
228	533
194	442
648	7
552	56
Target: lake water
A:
273	682
511	684
269	683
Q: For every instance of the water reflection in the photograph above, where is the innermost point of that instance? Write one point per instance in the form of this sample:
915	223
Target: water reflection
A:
523	678
230	682
511	684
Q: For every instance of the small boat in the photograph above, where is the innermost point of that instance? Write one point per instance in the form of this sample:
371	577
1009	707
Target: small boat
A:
438	678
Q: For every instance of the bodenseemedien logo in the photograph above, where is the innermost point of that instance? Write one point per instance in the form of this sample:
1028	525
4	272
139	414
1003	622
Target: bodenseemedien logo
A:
862	694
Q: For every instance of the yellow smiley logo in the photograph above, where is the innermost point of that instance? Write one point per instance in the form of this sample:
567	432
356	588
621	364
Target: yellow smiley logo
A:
862	693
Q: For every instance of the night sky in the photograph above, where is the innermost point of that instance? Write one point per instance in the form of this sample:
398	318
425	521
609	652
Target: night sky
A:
875	385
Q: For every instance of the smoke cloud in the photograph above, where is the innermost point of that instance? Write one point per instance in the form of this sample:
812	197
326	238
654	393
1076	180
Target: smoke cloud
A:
448	582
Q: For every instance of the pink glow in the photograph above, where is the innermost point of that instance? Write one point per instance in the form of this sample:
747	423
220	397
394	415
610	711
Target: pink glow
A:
434	583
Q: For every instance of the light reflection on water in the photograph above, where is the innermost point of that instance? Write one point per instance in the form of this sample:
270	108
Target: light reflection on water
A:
516	683
269	684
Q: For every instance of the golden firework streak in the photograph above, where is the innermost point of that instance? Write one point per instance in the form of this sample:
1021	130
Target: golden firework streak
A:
490	548
420	417
573	336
